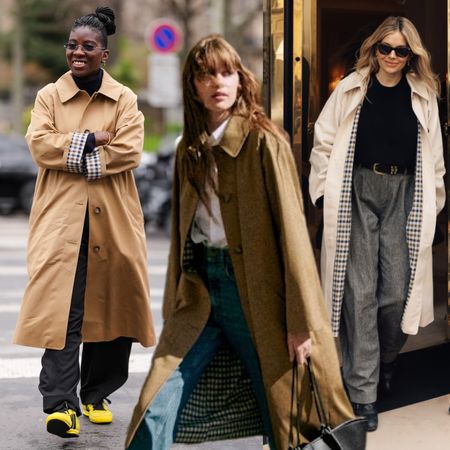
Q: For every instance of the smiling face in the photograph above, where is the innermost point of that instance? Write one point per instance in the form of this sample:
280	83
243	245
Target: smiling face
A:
82	63
391	65
217	92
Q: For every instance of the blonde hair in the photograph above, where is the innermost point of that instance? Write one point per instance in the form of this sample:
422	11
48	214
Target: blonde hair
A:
203	59
419	62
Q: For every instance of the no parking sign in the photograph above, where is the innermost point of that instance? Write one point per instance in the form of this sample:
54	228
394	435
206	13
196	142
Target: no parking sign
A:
164	36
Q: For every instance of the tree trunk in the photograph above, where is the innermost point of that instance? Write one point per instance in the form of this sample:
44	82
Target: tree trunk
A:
18	78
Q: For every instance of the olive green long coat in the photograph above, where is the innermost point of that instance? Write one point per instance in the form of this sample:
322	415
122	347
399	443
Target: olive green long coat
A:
117	294
275	272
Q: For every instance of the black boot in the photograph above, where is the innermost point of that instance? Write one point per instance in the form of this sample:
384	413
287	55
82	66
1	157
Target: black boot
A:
386	375
369	412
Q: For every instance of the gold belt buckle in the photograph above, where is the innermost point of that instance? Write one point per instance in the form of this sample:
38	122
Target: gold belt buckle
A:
374	168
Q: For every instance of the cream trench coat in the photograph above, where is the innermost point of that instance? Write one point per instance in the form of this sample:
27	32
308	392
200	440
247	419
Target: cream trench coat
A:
117	294
275	272
331	144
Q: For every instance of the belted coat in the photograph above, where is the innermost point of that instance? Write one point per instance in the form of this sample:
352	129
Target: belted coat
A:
333	135
68	185
275	272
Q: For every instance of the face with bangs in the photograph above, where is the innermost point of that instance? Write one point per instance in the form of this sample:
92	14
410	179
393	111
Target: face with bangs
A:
216	82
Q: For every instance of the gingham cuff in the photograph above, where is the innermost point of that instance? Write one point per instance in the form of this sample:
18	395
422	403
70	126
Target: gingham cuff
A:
75	154
92	165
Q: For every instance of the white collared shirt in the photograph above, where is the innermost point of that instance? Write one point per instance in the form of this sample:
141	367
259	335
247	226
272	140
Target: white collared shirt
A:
208	229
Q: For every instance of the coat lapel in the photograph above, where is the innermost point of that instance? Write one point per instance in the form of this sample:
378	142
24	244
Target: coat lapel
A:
234	136
358	88
67	88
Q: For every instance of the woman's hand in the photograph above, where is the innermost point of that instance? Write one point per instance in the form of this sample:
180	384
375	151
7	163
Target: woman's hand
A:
103	137
299	346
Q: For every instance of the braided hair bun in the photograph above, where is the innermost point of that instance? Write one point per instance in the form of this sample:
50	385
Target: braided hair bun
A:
103	21
106	15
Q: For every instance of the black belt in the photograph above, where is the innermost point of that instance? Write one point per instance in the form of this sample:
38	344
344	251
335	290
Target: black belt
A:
389	169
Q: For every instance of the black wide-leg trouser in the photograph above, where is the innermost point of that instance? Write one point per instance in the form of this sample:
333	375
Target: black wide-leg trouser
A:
104	365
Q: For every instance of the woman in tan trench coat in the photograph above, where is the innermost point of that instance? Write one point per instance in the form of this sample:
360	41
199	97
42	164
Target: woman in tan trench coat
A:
241	272
87	261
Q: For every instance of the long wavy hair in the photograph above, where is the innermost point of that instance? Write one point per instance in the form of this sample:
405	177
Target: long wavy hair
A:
419	62
206	57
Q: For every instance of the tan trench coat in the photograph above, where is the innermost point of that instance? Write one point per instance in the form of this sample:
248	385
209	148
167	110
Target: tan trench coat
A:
117	295
331	143
275	272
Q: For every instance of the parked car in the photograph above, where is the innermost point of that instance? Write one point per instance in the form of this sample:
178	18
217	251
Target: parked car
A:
17	174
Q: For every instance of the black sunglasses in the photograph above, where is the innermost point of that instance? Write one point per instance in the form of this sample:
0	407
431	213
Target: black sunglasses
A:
86	46
401	51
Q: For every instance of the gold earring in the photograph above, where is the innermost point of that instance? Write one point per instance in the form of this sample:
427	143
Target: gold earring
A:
104	63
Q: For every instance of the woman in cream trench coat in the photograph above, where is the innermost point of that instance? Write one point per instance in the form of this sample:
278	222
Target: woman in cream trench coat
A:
116	297
333	131
275	273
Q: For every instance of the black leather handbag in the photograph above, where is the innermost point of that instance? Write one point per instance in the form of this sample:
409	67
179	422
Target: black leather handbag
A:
349	435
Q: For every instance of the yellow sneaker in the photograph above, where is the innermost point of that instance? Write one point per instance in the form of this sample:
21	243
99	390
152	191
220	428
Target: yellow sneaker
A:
63	423
98	412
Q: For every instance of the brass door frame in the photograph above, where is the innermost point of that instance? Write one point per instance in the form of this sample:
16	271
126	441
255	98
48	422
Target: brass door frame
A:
282	89
273	87
446	134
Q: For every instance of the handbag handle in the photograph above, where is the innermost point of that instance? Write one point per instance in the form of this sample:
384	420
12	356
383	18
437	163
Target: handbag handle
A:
295	398
317	398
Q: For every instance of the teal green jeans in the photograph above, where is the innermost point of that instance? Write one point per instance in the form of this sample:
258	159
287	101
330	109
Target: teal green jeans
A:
227	323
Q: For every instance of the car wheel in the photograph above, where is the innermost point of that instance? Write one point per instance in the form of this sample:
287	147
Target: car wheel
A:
26	196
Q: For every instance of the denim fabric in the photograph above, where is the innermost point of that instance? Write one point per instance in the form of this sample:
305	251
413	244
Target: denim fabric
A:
377	279
227	323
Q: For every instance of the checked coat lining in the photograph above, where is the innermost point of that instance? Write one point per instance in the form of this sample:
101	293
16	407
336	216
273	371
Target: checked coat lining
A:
89	165
222	405
414	224
75	154
344	225
92	168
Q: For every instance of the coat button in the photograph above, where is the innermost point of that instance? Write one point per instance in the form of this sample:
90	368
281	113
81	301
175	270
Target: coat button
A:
238	250
97	210
96	249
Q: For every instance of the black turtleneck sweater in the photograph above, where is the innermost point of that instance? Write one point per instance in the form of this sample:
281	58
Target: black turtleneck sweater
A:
387	127
90	86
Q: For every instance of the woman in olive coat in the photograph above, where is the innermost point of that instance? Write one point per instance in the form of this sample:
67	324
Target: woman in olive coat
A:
241	271
87	260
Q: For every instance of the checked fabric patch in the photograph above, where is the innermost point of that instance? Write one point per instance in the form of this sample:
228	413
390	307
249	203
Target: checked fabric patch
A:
75	154
222	405
92	165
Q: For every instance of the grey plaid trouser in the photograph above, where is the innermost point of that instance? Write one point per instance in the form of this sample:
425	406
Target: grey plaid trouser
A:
377	279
